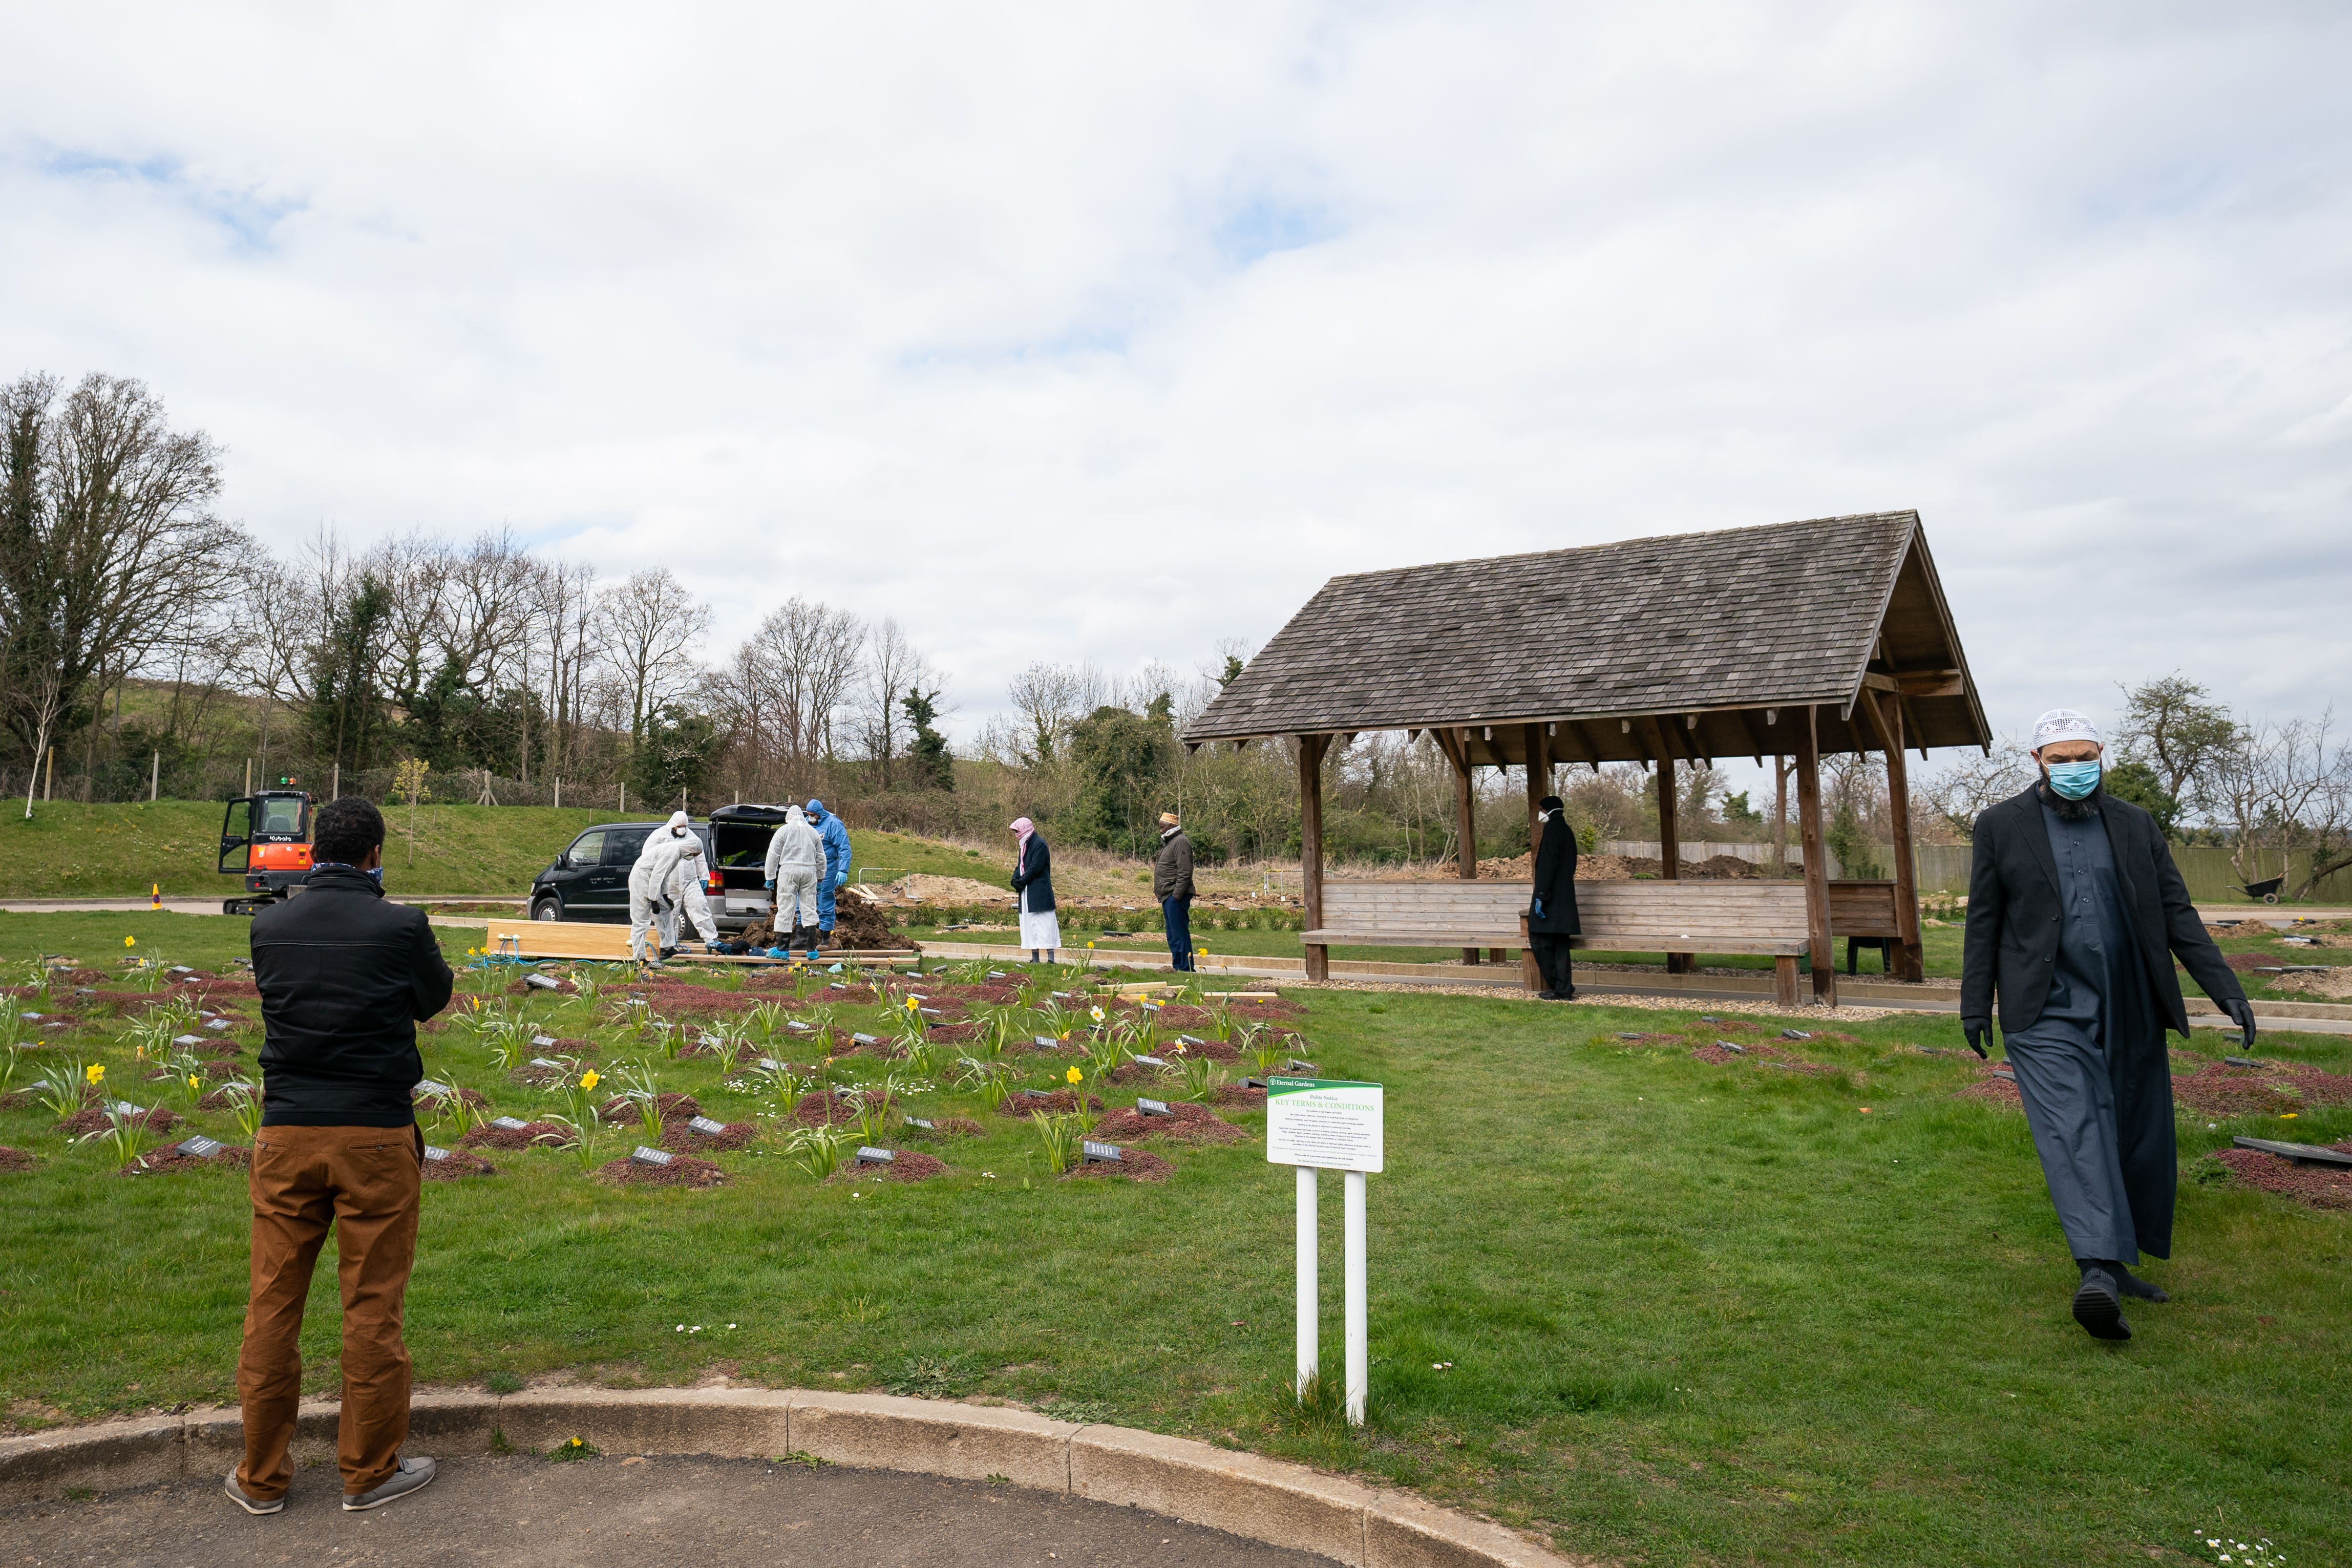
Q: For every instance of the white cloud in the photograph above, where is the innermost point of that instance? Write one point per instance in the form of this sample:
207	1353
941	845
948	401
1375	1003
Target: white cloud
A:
1084	332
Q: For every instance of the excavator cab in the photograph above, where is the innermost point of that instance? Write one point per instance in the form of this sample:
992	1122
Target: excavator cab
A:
267	836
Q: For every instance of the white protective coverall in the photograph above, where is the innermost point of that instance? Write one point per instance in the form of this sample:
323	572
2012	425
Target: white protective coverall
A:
795	863
685	893
649	879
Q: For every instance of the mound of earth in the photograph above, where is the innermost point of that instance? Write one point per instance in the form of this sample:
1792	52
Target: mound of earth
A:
94	1120
669	1107
1993	1087
14	1159
225	1098
821	1110
685	1138
683	1171
1242	1095
908	1165
485	1136
470	1095
957	890
458	1163
2218	1090
945	1127
2320	1186
164	1162
1057	1102
2334	985
1134	1164
1185	1123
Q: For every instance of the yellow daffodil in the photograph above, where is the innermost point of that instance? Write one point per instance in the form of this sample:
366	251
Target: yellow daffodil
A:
130	941
95	1072
912	1005
1076	1076
193	1082
589	1079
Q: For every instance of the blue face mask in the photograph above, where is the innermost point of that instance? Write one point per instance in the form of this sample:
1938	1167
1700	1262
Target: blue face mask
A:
2074	780
377	873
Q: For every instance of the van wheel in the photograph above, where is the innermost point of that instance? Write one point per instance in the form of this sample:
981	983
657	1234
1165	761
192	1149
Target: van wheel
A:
547	910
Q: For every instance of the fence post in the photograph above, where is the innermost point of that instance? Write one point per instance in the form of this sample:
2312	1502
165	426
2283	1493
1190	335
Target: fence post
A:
154	775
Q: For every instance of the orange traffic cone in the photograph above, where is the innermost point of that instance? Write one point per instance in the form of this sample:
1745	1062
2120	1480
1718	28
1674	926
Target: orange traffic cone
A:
154	895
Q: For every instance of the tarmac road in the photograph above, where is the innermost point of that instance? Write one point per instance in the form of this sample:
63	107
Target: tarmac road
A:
613	1514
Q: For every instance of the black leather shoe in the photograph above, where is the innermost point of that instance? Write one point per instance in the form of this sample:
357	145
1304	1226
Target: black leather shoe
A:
2099	1306
2131	1284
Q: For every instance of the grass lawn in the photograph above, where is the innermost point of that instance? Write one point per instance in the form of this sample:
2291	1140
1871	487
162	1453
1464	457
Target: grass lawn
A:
1694	1313
73	851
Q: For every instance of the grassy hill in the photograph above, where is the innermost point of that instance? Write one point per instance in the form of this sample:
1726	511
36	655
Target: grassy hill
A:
72	851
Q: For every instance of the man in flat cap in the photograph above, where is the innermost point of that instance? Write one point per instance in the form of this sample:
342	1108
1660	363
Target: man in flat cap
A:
1171	884
2075	912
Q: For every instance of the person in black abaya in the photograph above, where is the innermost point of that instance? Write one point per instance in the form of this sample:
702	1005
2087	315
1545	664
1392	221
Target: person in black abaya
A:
1551	911
2075	912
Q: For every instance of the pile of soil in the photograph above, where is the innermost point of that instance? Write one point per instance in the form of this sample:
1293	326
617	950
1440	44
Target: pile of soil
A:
485	1136
14	1159
910	1165
945	1127
859	927
820	1110
525	988
2218	1090
679	1136
164	1161
221	1099
1060	1102
1238	1094
958	891
2320	1186
538	1077
2334	986
1276	1008
685	1171
206	989
668	996
1185	1123
1135	1164
458	1164
2317	1085
94	1120
671	1108
1993	1087
1133	1072
955	1033
1216	1050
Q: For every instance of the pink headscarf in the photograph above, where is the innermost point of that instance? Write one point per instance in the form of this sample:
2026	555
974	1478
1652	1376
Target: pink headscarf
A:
1023	827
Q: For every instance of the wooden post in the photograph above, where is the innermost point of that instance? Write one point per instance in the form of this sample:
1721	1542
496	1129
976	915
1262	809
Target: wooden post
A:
1780	814
1817	874
1310	848
1466	817
1670	850
155	775
1538	761
1889	715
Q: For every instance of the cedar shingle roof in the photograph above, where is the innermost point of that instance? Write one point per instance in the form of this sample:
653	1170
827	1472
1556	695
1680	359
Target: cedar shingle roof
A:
1725	625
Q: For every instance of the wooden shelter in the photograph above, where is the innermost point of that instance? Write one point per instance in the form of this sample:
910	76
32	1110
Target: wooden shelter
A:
1794	639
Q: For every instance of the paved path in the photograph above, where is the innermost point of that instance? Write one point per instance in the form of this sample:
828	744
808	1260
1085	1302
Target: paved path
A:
612	1513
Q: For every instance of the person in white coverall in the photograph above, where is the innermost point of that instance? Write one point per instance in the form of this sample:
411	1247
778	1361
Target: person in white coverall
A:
796	864
685	894
657	864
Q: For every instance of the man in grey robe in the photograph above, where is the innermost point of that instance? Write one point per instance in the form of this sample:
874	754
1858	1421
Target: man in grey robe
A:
2075	912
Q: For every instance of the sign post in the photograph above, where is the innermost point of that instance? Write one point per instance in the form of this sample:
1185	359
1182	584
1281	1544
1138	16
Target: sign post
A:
1329	1124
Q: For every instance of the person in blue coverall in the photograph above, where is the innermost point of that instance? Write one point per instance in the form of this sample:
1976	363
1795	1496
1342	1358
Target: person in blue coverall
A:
836	834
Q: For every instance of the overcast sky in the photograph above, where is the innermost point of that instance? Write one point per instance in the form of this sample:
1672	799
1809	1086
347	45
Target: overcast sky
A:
1107	333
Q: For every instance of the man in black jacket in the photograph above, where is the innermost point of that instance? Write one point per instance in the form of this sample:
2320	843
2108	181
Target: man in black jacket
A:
345	976
1171	884
1551	911
2075	911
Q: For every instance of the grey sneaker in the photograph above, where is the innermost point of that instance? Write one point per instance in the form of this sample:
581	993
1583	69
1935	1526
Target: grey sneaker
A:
411	1476
252	1504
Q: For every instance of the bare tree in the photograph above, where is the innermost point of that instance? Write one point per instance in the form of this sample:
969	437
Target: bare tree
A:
1963	790
894	667
648	627
807	652
1050	698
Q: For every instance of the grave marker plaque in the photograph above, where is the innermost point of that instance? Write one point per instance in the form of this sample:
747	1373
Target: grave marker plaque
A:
1795	1034
865	1039
508	1123
2243	1061
180	1039
770	1064
433	1153
1152	1061
220	1024
875	1156
1257	1083
200	1147
641	1156
430	1086
540	982
542	1041
123	1108
1044	1042
1189	1040
1152	1108
544	1062
1730	1046
996	975
919	1122
704	1125
1102	1154
2301	1153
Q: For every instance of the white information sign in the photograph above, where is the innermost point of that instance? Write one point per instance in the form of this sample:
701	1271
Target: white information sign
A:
1331	1124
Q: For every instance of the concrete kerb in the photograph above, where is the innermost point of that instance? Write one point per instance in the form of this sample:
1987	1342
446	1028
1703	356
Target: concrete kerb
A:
1262	1499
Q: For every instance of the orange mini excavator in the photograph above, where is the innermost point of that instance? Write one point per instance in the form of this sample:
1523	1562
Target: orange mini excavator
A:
269	833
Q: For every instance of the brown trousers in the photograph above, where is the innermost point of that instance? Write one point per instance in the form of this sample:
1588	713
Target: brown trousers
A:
365	1182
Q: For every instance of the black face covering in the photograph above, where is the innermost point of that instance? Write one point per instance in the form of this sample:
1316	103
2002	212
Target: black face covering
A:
2068	810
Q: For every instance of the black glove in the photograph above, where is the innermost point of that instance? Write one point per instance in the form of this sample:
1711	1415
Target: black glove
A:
1977	1030
2241	1013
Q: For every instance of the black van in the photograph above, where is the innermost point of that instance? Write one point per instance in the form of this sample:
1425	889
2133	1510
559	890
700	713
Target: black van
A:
589	881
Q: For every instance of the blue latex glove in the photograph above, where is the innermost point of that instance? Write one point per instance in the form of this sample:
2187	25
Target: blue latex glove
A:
771	884
839	881
1539	914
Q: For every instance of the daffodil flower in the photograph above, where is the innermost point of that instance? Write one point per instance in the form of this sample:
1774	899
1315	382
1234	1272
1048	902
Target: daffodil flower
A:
133	941
95	1072
589	1079
192	1080
1075	1076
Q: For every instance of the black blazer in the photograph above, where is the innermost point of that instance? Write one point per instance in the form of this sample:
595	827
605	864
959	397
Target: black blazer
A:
345	976
2011	946
1556	879
1032	880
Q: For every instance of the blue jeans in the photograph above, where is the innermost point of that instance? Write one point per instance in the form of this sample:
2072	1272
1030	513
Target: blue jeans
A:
1177	915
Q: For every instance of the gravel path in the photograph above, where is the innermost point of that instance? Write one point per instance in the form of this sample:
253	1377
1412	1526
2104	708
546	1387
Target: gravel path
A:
622	1513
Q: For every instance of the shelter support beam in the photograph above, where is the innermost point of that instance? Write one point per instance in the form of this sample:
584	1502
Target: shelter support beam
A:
1310	848
1670	850
1886	716
1817	873
1455	744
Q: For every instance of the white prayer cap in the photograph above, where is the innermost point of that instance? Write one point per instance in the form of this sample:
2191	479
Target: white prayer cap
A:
2063	724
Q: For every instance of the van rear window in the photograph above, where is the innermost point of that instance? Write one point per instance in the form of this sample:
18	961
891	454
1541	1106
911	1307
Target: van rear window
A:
740	845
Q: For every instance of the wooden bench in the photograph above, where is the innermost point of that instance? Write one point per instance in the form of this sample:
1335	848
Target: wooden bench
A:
1741	916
